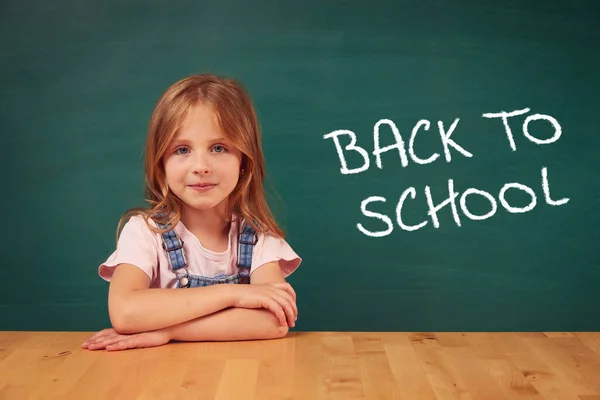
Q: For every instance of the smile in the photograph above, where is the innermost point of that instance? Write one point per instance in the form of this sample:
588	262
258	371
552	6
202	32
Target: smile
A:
204	187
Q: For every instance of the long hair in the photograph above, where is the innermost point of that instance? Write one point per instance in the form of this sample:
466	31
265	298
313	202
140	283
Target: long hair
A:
237	120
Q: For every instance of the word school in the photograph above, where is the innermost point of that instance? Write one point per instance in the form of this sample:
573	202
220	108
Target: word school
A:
447	144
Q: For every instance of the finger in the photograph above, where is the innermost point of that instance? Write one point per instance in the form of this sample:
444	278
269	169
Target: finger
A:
291	317
291	301
99	336
124	344
295	307
285	302
288	307
99	345
291	291
94	346
107	341
287	288
276	309
107	336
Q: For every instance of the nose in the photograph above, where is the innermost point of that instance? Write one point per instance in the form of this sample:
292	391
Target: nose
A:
202	163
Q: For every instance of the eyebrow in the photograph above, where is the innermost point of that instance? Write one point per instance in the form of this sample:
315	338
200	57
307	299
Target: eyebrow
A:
213	140
176	142
218	139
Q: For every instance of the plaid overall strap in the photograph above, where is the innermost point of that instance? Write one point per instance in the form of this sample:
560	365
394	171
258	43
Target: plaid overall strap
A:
248	238
173	245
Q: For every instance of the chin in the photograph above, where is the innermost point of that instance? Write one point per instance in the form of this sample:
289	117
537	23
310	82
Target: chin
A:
204	205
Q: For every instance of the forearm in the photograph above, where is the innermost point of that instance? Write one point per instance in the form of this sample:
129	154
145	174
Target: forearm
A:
228	325
151	309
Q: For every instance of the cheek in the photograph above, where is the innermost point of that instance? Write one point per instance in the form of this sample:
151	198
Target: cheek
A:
173	169
229	164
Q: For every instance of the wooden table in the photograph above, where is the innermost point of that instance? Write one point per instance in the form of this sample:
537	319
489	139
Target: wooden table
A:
316	365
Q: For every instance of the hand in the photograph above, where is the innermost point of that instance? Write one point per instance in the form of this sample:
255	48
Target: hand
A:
110	340
279	298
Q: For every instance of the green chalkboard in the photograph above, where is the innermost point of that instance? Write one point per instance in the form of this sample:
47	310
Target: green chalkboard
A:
454	224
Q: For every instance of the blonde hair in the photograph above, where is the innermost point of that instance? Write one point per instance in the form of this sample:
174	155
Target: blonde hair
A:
236	118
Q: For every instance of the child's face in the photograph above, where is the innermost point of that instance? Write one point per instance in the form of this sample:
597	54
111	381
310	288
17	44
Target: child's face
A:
202	168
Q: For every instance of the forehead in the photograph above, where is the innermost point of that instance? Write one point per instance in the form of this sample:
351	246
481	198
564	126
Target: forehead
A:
200	123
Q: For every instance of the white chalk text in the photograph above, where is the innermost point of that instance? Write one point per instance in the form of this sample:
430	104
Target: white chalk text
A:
456	202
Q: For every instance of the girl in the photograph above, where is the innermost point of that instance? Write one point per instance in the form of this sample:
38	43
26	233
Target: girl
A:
206	261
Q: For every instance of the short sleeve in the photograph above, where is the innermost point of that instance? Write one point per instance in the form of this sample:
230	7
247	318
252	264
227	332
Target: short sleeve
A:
137	245
273	248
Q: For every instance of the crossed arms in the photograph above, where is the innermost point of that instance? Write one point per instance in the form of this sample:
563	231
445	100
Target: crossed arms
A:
265	309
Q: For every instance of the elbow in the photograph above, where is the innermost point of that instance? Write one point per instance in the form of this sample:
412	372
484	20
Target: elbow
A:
121	323
281	331
276	330
265	328
122	318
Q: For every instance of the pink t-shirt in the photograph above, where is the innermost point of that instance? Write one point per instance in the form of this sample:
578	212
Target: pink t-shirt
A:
140	246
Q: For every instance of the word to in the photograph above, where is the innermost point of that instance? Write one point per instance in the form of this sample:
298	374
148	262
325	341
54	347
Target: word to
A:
447	144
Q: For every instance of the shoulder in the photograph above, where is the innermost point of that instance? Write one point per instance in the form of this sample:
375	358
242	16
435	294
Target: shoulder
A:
270	247
137	232
139	220
137	225
137	245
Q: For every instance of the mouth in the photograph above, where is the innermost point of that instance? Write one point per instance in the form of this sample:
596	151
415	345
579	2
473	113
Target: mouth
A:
202	187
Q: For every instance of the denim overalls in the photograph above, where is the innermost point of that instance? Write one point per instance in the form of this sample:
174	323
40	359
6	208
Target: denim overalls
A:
173	245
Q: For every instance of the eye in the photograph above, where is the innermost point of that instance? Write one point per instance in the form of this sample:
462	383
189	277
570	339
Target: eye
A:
219	149
182	150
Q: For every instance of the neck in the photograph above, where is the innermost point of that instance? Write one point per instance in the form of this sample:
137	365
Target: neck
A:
212	221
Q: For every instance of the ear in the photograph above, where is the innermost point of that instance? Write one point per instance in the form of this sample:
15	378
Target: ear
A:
242	164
